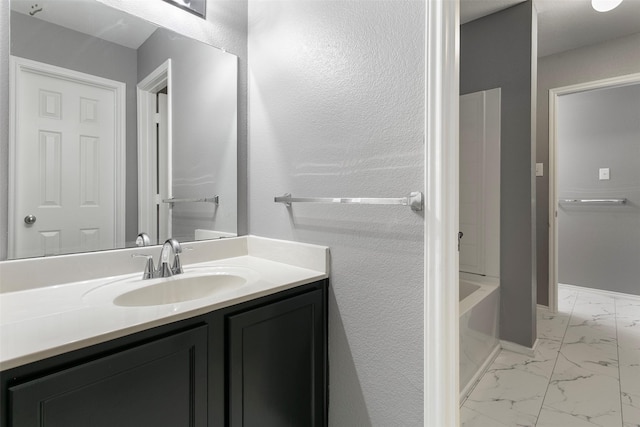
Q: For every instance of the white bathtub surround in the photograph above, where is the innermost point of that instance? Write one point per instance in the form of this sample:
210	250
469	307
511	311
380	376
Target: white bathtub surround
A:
479	327
585	372
480	182
479	247
43	320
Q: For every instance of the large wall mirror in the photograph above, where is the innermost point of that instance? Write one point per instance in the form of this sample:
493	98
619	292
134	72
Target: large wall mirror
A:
117	127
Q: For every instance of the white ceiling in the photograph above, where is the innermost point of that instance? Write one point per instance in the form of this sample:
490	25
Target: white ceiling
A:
566	24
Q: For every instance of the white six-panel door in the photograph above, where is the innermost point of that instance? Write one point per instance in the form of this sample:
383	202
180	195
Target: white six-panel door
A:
68	149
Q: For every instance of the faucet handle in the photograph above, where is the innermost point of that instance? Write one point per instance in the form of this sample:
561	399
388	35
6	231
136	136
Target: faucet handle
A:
177	265
149	269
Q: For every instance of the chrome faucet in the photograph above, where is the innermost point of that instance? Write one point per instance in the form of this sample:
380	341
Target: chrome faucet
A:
170	247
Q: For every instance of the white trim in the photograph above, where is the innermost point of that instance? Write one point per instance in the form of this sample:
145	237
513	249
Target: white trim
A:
466	391
554	93
598	291
11	196
147	89
517	348
18	64
441	332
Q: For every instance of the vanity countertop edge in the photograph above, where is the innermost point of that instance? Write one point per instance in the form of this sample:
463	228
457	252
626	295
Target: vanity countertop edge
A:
40	321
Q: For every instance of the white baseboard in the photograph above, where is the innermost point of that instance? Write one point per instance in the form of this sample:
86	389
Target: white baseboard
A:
597	291
466	391
517	348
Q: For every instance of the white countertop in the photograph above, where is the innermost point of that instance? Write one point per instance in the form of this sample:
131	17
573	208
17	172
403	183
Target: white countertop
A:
44	321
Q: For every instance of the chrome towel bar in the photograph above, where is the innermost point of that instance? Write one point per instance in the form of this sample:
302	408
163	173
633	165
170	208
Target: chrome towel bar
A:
214	199
414	200
595	201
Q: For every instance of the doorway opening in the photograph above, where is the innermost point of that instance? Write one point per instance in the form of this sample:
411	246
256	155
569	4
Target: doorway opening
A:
154	154
592	199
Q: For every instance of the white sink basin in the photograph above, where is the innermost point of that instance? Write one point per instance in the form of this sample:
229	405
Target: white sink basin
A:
179	289
196	284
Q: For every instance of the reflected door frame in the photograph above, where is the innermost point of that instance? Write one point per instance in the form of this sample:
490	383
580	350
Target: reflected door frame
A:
154	154
20	66
554	94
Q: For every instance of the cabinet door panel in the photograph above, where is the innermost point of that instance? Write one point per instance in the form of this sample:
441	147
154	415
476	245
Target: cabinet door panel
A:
277	364
161	383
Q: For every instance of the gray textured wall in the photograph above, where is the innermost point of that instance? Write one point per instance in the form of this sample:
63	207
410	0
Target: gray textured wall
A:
42	41
204	98
610	59
599	246
337	109
499	51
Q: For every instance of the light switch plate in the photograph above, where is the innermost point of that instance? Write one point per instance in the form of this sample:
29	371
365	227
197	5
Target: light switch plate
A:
539	169
604	174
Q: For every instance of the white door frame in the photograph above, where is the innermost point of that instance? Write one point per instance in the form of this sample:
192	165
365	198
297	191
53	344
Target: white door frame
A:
441	332
147	153
554	94
17	65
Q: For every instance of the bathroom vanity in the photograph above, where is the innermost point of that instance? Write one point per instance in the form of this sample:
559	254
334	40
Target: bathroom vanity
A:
254	354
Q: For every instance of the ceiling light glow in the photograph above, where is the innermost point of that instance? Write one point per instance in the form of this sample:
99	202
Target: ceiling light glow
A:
605	5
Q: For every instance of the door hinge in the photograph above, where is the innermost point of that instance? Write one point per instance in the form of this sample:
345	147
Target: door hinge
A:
156	117
157	199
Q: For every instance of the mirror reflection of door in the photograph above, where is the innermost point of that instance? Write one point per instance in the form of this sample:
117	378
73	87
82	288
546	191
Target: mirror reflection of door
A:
67	141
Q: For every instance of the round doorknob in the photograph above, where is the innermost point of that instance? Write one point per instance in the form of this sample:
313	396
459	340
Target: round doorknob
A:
29	219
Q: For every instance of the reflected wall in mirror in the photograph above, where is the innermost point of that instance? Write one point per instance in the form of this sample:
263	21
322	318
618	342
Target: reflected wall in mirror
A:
116	127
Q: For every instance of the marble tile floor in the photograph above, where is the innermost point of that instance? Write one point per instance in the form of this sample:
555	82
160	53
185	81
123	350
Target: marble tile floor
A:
585	372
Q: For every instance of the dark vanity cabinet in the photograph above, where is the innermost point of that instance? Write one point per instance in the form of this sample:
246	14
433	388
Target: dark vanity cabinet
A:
162	382
259	363
276	364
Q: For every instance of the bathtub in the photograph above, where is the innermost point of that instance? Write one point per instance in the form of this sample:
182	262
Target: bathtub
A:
479	309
